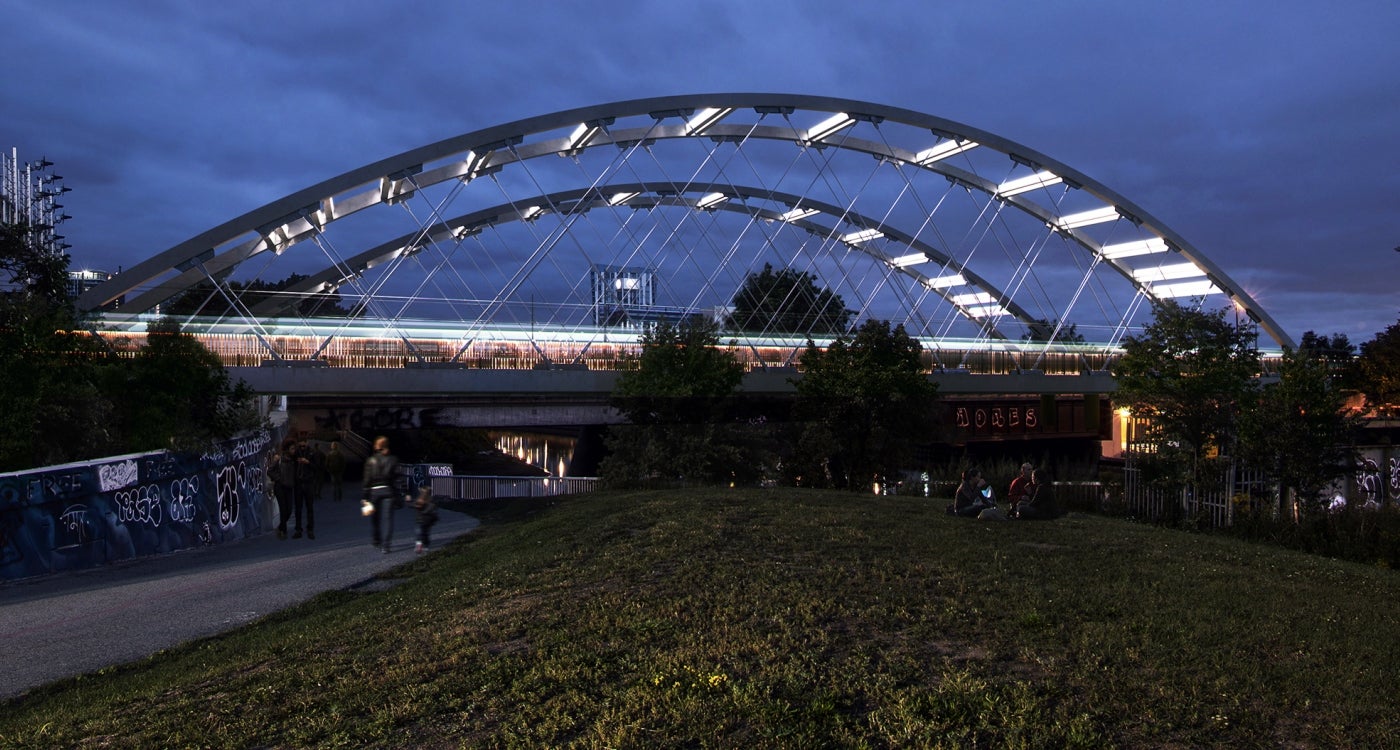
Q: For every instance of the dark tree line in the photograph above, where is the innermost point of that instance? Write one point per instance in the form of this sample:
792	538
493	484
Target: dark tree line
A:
66	397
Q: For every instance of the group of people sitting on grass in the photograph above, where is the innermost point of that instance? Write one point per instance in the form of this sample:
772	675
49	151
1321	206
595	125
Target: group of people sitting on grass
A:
1029	497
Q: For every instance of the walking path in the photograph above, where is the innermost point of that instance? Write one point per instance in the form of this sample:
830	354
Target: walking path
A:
74	623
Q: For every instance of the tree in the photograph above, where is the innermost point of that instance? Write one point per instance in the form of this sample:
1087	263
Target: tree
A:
1335	351
1296	430
787	301
678	403
865	402
177	394
1378	369
1187	372
51	410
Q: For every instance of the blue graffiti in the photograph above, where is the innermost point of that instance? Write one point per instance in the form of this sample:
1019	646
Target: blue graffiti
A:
78	516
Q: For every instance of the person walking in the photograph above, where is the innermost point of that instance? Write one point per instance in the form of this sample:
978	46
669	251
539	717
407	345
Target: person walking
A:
284	482
318	470
335	472
427	513
380	494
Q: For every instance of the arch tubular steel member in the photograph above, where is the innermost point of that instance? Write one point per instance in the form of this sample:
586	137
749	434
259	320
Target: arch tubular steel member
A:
1010	260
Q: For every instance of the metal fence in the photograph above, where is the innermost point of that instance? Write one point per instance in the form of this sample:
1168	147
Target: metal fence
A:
487	488
1211	503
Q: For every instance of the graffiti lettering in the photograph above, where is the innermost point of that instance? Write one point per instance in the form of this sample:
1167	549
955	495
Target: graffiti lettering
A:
370	421
251	446
1368	481
160	467
74	518
1395	478
139	505
116	475
60	485
183	493
226	484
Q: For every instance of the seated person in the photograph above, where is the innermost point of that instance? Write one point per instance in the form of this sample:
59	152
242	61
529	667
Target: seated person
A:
1039	503
974	495
1017	491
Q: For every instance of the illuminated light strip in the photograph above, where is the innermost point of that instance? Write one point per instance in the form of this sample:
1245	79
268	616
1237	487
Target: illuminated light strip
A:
1087	218
1167	273
533	212
904	261
713	199
975	298
943	282
1028	183
799	213
864	235
951	147
705	118
829	126
582	136
1130	249
1186	289
618	198
986	311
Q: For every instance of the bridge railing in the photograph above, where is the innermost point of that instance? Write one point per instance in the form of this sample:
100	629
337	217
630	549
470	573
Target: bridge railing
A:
491	487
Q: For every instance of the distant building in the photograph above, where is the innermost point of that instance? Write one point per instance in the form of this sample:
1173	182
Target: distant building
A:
81	281
626	296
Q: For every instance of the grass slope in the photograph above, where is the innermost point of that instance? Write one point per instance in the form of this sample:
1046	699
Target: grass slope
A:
784	619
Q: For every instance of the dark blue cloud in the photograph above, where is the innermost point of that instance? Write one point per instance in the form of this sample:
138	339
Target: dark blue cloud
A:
1263	134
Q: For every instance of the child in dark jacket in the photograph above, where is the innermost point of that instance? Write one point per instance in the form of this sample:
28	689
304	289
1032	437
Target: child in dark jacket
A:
427	516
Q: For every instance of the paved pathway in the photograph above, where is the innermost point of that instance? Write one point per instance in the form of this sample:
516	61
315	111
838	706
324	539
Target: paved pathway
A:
73	623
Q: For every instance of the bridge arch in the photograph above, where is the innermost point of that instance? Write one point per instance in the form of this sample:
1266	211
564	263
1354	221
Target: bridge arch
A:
951	230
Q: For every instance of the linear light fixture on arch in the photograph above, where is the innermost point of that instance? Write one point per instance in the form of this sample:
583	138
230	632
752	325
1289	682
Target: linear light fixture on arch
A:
944	282
797	213
1028	183
531	213
711	200
620	198
985	311
829	126
1139	247
705	118
1086	218
582	136
1202	288
912	259
1167	273
972	298
950	147
864	235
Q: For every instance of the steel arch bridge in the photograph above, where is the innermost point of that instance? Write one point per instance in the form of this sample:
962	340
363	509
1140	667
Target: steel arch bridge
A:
559	227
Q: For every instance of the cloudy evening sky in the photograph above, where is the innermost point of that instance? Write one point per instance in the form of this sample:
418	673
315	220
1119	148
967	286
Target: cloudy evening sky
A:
1266	134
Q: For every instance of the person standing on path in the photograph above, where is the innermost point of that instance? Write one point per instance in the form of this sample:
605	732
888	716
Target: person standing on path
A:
335	472
380	493
306	471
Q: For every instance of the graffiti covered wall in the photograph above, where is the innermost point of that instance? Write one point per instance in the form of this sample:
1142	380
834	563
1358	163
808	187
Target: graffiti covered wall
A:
83	515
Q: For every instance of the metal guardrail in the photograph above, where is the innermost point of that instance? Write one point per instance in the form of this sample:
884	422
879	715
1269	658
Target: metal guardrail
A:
489	487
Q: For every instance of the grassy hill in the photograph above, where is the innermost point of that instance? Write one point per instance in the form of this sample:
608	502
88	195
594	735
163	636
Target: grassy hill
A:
782	618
